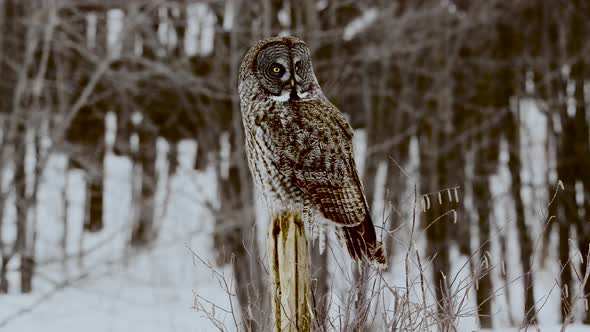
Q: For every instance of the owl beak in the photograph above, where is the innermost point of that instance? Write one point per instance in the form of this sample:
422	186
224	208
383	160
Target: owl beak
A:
292	82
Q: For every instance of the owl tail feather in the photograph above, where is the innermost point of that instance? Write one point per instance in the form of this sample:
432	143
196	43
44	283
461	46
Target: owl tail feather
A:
361	242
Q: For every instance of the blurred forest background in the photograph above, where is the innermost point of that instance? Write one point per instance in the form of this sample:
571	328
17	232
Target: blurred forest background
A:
481	107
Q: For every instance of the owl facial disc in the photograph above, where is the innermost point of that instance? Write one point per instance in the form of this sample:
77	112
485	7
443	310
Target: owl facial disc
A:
284	71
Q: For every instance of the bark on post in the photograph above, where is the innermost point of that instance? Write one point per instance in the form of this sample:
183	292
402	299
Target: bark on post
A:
289	272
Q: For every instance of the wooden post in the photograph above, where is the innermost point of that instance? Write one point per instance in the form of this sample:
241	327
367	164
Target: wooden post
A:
289	272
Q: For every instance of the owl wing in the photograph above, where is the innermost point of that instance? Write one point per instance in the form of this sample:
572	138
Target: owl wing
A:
318	156
315	153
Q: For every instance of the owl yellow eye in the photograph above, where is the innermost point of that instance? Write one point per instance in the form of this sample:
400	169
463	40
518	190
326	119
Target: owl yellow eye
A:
276	69
297	67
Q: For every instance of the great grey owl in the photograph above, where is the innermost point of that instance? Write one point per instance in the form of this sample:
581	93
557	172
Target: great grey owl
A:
299	145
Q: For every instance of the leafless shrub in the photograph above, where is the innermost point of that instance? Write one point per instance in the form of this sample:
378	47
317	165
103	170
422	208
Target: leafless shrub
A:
383	305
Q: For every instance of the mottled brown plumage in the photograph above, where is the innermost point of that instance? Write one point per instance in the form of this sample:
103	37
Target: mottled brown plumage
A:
299	145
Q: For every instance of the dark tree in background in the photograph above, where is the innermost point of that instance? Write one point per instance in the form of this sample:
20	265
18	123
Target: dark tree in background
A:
15	55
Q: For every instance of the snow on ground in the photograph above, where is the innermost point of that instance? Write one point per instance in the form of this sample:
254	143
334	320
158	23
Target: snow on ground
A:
112	289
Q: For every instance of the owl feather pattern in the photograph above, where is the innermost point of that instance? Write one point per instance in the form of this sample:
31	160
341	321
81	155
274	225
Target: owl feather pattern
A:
299	145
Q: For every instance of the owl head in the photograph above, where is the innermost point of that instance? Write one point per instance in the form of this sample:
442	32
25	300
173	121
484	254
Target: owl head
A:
281	67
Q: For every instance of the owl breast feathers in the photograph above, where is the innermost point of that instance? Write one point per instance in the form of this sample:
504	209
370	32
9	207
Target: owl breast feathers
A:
299	145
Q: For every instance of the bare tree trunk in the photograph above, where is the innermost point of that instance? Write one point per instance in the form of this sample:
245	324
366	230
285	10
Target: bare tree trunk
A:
582	224
491	93
3	272
526	247
567	213
121	146
579	73
21	201
86	133
457	159
22	113
551	190
33	198
566	155
143	232
435	171
4	251
582	147
202	155
483	198
173	158
65	221
3	126
436	233
95	192
12	48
